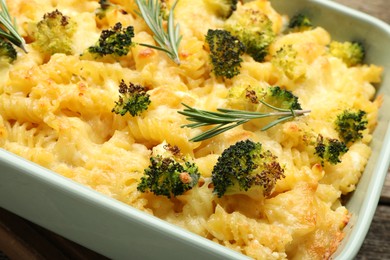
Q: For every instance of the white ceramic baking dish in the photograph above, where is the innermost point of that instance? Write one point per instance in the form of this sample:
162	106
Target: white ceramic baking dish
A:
119	231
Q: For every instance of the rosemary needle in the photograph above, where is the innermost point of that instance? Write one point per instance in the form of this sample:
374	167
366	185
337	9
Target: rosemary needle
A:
169	40
8	29
226	119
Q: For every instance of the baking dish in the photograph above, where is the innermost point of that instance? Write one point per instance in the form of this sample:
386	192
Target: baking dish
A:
119	231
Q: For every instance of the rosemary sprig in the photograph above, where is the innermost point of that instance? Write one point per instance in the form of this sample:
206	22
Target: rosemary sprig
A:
169	40
226	119
8	29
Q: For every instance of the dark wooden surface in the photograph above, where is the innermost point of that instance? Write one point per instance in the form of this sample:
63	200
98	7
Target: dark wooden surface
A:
21	239
377	8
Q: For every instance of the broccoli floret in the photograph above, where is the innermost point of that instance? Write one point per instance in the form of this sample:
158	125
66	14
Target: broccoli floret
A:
351	53
299	23
245	97
9	31
246	166
276	97
225	53
133	99
281	98
54	33
249	97
350	124
116	41
287	60
329	149
254	29
169	174
222	8
7	52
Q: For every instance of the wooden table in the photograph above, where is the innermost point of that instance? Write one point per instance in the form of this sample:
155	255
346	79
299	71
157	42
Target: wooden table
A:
25	240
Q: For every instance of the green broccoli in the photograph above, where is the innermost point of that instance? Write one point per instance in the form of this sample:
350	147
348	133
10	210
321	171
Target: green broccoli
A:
329	149
275	98
350	124
246	167
7	52
299	23
169	174
266	100
116	41
133	99
54	33
249	97
351	53
222	8
288	61
225	53
9	31
281	98
244	97
254	29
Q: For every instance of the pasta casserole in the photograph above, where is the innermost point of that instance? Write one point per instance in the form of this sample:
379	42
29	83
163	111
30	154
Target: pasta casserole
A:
62	106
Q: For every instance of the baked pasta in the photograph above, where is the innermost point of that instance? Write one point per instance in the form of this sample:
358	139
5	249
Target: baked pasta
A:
56	109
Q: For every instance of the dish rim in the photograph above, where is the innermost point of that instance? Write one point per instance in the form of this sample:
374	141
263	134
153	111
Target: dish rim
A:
350	248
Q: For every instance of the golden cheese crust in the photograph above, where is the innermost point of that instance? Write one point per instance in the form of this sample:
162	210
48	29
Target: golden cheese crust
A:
56	112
